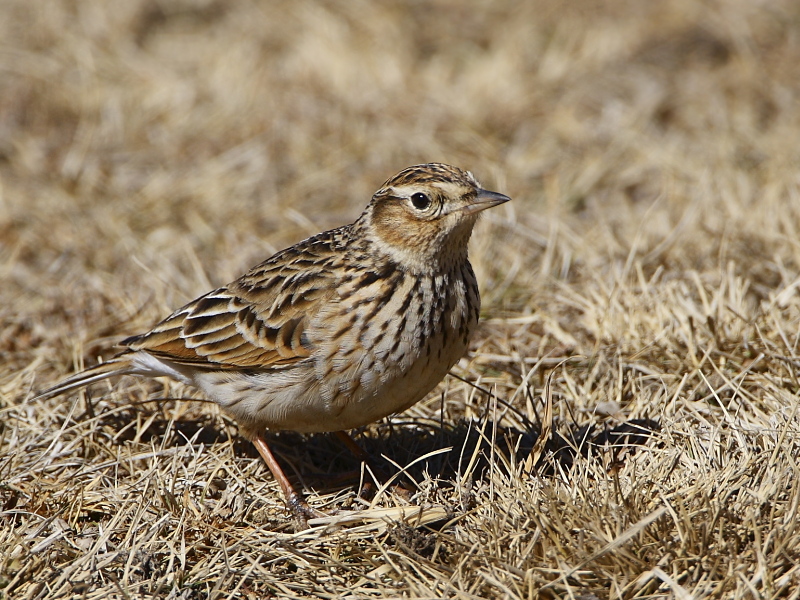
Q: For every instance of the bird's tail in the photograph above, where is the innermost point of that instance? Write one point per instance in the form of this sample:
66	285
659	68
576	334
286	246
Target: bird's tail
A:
119	365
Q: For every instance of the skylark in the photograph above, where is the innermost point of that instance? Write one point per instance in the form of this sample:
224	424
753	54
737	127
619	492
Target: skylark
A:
340	330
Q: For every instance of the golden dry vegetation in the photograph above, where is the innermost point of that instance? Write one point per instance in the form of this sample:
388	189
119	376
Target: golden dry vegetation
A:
152	149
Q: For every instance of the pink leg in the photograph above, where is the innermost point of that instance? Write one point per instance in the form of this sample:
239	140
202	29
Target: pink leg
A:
297	505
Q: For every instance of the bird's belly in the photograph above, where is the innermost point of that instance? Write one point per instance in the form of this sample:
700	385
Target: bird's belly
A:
398	390
387	379
298	400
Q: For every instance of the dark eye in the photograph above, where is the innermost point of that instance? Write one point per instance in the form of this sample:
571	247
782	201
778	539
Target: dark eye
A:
420	201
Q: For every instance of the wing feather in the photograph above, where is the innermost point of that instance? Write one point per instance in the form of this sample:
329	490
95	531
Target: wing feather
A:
259	320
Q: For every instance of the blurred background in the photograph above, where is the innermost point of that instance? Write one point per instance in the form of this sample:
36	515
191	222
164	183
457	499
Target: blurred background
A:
146	146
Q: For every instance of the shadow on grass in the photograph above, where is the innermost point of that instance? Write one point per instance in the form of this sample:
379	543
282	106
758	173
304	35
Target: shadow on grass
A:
395	446
323	462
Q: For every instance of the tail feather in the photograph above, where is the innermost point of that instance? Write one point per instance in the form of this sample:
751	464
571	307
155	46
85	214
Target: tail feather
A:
120	365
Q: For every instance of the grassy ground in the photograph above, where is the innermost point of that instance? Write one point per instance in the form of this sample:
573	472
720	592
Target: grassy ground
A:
150	150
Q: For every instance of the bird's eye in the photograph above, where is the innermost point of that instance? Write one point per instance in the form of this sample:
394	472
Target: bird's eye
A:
420	201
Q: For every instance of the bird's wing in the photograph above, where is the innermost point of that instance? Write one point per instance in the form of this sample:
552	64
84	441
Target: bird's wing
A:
256	322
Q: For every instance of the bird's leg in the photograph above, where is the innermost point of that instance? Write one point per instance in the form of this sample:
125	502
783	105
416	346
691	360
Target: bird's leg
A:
297	505
368	489
353	446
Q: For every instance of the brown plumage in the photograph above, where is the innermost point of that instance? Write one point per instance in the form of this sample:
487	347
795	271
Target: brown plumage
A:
337	331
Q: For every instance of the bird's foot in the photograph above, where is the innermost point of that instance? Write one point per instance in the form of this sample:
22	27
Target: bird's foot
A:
301	511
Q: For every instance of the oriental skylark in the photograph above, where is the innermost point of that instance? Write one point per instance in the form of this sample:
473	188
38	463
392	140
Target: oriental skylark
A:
339	330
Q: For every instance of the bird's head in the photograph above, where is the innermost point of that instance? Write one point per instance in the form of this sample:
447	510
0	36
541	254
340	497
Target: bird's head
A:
423	216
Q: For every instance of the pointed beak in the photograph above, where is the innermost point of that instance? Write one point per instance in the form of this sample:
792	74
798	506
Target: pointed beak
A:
485	199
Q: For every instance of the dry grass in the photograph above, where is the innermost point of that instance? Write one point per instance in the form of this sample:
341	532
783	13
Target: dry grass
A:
149	150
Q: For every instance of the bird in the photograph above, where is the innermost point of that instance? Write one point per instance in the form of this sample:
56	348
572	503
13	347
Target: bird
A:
338	331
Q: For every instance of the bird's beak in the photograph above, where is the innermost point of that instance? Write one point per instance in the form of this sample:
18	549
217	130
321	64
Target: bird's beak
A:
485	199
